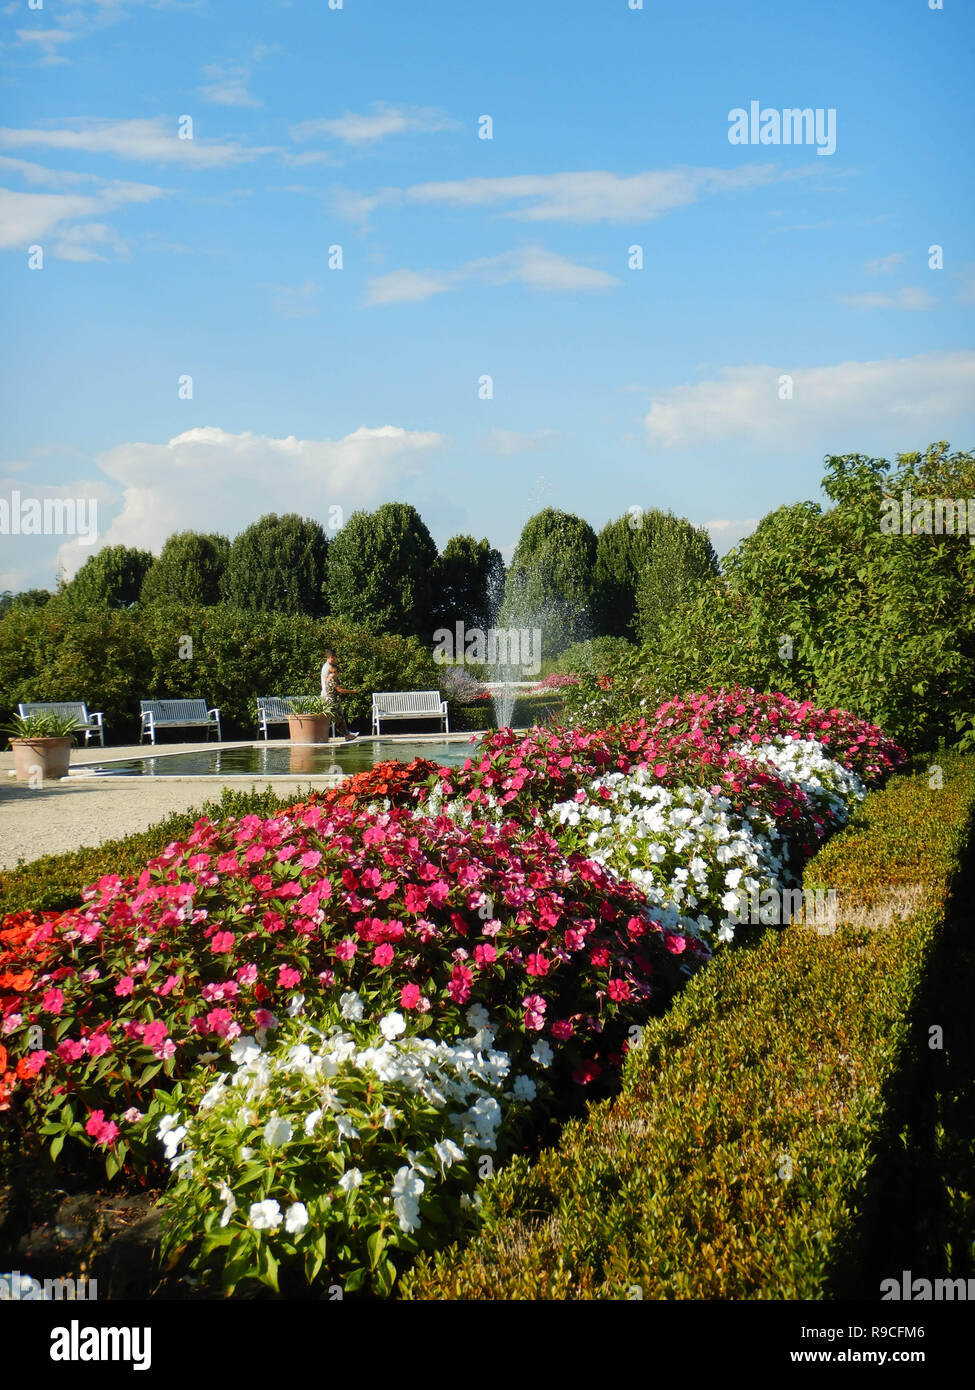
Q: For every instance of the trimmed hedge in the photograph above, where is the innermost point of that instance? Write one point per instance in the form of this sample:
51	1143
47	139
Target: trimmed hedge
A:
54	882
737	1161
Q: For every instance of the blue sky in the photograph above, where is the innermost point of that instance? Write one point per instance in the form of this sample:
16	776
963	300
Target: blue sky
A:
317	387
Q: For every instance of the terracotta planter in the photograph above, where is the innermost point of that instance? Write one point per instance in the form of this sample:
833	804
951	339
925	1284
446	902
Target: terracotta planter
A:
50	755
309	728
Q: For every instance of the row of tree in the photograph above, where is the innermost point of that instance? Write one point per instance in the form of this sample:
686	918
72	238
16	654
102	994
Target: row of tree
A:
383	572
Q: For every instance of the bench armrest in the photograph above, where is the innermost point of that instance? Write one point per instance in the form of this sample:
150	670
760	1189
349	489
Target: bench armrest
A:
96	717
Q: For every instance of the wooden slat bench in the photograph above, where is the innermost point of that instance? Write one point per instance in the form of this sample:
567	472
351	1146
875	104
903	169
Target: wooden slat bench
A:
177	714
408	704
276	709
92	724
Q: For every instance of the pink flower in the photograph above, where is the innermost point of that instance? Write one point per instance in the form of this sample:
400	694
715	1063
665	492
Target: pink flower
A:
383	954
288	976
311	859
98	1044
562	1029
247	974
537	964
132	1116
53	1001
124	986
218	1021
70	1050
600	957
36	1061
346	949
155	1034
409	996
263	1018
675	944
222	941
168	986
101	1130
619	991
485	954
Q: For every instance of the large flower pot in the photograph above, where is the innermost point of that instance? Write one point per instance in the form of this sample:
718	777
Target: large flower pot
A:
44	757
309	728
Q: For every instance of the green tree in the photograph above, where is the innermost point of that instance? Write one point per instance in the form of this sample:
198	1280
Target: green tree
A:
279	564
190	569
468	583
551	583
681	557
112	578
380	573
27	598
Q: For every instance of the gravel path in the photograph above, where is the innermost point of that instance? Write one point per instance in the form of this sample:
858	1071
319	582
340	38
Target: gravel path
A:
65	815
61	817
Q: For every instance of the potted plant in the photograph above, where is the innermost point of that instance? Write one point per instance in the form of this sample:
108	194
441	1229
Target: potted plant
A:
41	743
309	720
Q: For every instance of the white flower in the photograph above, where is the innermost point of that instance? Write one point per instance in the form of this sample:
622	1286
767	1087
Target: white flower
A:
214	1094
296	1218
246	1153
350	1007
448	1152
478	1017
229	1200
166	1124
264	1216
311	1120
296	1004
524	1088
392	1026
278	1131
350	1179
346	1128
245	1050
542	1054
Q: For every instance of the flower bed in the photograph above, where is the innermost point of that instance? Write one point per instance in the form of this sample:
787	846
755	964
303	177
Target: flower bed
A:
563	885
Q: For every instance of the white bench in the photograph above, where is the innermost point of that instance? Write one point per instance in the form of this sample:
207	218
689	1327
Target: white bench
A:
276	709
92	724
170	714
408	704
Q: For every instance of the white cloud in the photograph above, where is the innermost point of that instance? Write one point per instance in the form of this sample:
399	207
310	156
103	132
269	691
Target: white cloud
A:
509	442
48	41
353	129
924	392
87	241
595	196
153	139
207	479
726	534
532	266
883	265
26	218
910	297
226	85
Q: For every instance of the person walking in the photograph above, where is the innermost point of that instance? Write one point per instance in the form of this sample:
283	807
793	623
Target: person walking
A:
331	690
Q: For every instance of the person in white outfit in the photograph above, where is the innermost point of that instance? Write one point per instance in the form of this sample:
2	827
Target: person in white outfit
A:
331	690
